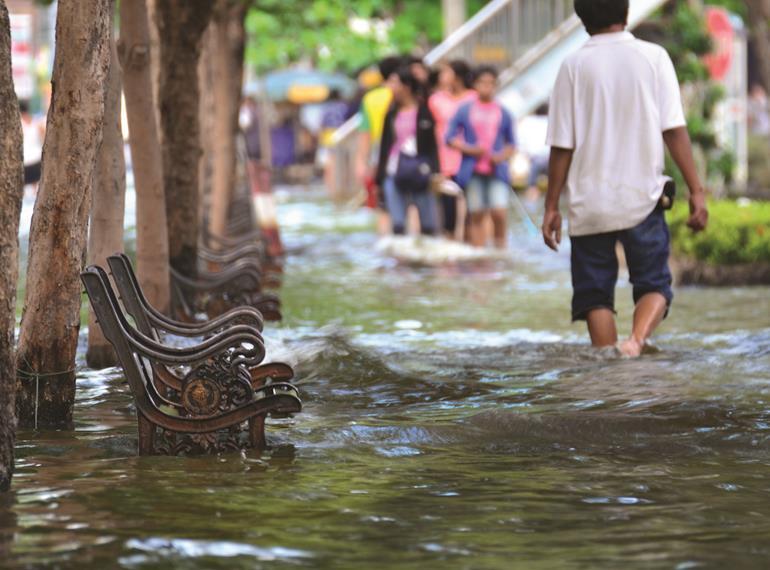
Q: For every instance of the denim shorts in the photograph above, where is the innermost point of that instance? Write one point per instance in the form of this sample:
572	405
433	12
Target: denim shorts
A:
486	193
595	265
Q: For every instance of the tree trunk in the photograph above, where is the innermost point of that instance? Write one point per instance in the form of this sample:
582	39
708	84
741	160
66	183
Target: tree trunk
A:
227	40
181	24
51	318
151	232
152	22
105	235
759	24
206	116
11	190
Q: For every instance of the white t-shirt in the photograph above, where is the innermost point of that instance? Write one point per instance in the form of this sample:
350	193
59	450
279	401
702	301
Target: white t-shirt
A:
612	101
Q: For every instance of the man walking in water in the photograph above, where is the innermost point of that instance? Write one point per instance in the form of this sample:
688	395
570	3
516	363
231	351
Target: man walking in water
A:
615	102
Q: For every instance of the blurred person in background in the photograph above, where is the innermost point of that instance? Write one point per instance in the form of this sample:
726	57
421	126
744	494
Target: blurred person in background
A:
374	107
482	131
452	91
408	155
759	111
333	117
532	132
33	130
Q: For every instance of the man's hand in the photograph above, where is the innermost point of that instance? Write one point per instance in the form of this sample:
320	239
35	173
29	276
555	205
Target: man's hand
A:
699	215
678	142
552	229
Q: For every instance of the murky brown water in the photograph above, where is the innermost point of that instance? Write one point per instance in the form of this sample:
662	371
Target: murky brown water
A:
453	418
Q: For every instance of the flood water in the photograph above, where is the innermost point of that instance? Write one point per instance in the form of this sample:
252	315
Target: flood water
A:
453	418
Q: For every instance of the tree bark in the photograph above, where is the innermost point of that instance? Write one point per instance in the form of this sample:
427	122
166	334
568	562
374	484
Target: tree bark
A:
51	318
181	24
105	234
759	24
227	40
151	232
11	190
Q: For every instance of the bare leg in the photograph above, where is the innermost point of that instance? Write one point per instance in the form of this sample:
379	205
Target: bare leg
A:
462	211
648	314
601	327
412	221
500	227
384	226
477	234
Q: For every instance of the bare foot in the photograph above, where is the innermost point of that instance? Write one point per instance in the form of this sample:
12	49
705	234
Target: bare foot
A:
631	348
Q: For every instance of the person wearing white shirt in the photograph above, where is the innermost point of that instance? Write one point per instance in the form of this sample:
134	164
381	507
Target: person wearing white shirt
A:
615	102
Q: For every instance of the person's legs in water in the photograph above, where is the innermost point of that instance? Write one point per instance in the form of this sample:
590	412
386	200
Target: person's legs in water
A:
449	215
396	203
594	275
428	212
476	231
648	314
498	203
500	227
601	327
647	248
477	197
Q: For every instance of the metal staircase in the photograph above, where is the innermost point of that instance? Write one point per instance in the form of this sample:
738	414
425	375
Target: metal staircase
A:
527	39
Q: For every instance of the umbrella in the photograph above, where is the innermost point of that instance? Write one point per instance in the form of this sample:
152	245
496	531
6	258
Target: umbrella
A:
305	86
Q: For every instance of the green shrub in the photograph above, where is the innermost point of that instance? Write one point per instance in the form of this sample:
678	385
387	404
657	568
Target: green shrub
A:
738	232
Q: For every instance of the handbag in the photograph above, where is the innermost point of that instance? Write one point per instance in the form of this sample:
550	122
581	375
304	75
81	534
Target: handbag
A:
413	173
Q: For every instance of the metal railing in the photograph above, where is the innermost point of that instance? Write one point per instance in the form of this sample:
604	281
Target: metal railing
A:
500	34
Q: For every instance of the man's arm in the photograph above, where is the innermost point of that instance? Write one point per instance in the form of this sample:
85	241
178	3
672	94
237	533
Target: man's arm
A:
504	155
678	143
362	156
558	168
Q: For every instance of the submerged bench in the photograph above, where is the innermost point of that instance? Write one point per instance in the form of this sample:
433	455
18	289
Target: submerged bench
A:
214	405
152	323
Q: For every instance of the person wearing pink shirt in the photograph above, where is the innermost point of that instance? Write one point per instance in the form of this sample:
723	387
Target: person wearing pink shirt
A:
483	132
453	92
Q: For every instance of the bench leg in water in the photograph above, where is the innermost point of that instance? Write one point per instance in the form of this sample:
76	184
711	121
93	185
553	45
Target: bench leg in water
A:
146	436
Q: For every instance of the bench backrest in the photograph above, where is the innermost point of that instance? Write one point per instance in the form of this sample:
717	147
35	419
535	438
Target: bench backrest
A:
113	326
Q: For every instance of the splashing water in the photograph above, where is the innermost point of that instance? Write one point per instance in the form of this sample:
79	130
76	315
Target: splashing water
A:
453	417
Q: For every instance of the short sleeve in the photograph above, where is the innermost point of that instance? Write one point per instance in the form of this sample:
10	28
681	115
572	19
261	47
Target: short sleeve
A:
561	113
669	95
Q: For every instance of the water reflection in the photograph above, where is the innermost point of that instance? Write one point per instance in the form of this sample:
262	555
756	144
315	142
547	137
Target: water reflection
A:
453	417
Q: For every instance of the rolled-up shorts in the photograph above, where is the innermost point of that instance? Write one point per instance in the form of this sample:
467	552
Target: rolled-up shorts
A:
595	265
486	193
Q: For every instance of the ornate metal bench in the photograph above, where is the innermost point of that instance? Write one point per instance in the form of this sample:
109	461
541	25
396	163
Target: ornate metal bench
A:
152	323
215	293
215	406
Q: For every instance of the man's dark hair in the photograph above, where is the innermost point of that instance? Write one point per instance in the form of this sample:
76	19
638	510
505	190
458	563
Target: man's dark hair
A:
389	65
407	78
484	70
462	70
600	14
23	106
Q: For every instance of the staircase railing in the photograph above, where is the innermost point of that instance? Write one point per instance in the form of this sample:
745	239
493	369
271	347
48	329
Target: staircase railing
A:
500	34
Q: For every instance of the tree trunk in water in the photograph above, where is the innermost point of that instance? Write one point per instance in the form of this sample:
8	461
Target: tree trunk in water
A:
227	38
11	190
151	232
759	24
51	319
105	235
181	24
